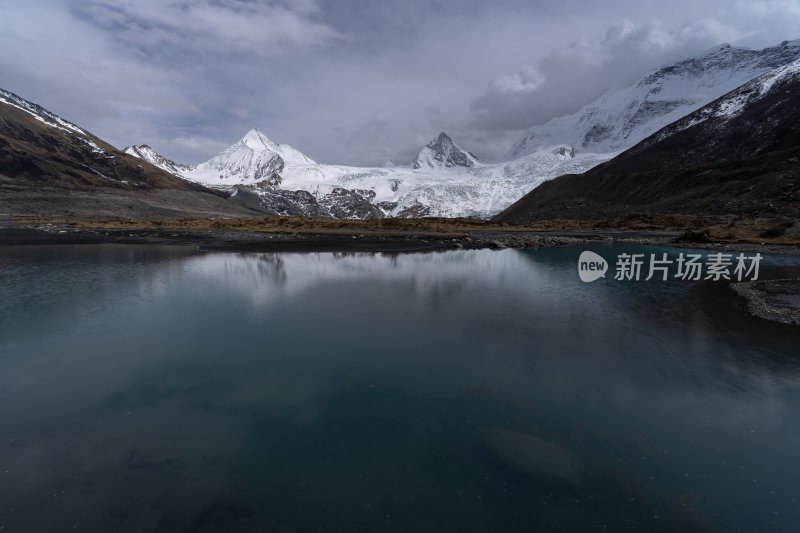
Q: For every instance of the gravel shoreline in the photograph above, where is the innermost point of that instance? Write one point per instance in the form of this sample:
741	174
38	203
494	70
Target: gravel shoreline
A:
775	300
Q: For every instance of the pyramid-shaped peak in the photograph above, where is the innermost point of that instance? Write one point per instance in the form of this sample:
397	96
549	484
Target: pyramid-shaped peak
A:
442	142
258	142
443	152
441	138
255	140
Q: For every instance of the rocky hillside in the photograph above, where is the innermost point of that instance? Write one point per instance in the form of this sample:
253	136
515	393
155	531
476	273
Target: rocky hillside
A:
49	165
39	147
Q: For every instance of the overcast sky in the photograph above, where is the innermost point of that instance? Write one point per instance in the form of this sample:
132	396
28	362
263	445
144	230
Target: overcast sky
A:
350	81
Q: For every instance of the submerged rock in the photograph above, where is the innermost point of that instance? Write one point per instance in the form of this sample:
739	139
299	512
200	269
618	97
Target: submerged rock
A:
533	455
775	300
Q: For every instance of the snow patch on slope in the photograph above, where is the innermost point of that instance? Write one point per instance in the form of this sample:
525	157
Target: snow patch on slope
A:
732	104
143	151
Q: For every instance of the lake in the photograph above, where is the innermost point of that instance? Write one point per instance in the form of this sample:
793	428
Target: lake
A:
150	389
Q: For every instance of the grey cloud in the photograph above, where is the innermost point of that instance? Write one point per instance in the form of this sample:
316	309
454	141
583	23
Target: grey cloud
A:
160	28
367	132
582	71
349	81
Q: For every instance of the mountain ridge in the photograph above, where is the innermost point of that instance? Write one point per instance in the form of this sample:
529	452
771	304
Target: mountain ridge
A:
739	154
299	185
622	117
39	145
48	165
147	153
445	180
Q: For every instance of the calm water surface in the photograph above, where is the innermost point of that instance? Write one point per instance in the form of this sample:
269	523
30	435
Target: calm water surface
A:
148	389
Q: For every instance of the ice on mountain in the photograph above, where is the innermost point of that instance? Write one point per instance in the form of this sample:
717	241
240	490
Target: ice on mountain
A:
622	117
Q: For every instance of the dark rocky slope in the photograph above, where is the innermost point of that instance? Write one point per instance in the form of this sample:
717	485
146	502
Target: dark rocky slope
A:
51	166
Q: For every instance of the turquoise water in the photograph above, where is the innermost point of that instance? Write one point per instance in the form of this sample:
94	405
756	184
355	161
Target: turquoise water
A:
160	389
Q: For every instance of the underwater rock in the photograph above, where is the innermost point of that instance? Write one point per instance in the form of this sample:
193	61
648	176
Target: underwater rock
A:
533	455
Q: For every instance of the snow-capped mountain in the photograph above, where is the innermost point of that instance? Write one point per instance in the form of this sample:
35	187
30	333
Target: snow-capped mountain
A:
143	151
442	152
738	154
454	184
253	159
445	180
734	103
760	117
623	117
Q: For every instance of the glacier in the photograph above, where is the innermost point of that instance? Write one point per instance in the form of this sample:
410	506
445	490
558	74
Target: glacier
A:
439	187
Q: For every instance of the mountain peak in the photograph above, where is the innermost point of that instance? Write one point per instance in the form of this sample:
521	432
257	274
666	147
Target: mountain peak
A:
145	152
441	138
622	117
443	152
252	159
257	141
689	164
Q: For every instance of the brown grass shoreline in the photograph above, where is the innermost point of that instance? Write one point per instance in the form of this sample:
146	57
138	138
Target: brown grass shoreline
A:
700	229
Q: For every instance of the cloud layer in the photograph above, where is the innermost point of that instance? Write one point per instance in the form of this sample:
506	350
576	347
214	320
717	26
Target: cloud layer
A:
350	81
